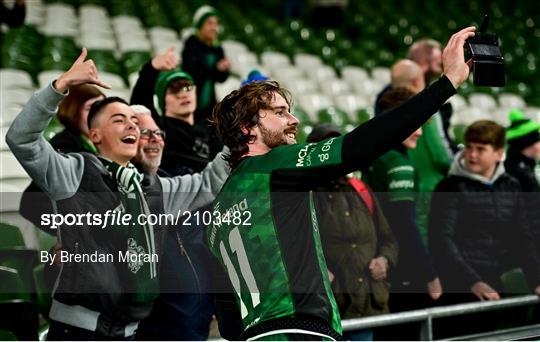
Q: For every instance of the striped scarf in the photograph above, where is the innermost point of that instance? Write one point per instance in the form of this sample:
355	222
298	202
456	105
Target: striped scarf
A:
141	276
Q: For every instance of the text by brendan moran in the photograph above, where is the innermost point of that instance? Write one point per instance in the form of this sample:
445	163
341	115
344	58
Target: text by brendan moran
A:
121	256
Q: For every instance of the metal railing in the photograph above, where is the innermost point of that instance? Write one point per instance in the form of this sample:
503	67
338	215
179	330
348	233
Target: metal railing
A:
426	316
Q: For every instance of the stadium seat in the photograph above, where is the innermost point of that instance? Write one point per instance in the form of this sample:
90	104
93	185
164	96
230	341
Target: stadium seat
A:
271	60
313	103
334	87
334	116
10	237
482	101
301	86
351	104
354	75
23	260
381	75
363	115
223	89
322	74
9	112
10	167
13	78
510	101
47	76
307	62
43	293
302	116
286	73
458	102
514	282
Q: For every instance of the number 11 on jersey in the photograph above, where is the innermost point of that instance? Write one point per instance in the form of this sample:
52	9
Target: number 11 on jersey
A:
237	247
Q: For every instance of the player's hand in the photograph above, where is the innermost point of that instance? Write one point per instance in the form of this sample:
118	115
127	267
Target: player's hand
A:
167	61
454	65
378	268
435	289
484	292
81	72
537	290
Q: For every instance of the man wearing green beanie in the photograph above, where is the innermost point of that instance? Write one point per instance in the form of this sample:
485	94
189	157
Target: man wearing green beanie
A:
522	159
204	59
170	94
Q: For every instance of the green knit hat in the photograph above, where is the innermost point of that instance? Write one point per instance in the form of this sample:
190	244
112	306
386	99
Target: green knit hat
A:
522	132
202	14
163	81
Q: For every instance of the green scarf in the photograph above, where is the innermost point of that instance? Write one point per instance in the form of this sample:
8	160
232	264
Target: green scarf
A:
141	276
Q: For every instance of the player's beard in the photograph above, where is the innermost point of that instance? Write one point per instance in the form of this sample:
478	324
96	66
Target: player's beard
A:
273	138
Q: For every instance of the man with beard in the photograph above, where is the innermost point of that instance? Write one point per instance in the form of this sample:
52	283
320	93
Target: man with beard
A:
183	310
266	235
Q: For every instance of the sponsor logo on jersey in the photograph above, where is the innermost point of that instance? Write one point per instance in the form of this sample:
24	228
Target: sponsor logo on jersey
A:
302	154
401	184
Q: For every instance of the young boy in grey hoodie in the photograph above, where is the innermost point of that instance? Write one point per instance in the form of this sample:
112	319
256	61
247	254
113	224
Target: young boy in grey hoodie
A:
104	299
478	225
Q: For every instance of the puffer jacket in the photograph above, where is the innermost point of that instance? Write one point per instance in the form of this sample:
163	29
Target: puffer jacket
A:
351	236
478	229
524	170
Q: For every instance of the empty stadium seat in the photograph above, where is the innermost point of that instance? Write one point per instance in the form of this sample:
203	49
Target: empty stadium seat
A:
306	61
507	100
10	236
313	103
351	104
223	89
334	87
333	115
381	75
272	59
482	101
9	112
13	78
354	74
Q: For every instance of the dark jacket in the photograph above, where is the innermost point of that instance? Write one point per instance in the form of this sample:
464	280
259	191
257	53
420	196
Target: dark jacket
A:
478	229
351	237
524	170
199	60
187	148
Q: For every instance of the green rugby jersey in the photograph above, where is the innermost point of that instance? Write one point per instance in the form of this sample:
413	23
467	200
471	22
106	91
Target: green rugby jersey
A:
276	264
393	177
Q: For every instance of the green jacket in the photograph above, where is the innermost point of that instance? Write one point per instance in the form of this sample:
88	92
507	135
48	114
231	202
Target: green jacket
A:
431	158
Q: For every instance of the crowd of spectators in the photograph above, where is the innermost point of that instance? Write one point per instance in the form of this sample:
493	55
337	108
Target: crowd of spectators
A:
428	223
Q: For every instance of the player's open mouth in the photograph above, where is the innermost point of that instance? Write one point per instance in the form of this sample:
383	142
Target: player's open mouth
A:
291	135
129	139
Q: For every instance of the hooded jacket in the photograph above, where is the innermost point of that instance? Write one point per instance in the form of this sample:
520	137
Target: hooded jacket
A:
478	229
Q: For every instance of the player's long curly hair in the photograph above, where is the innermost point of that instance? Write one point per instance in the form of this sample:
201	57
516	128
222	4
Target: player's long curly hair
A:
233	117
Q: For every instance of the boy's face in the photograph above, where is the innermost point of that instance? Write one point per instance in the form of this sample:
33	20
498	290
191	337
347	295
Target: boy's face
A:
482	159
180	98
115	132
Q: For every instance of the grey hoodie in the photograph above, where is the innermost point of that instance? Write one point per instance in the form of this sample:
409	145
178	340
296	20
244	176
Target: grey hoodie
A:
59	174
458	169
